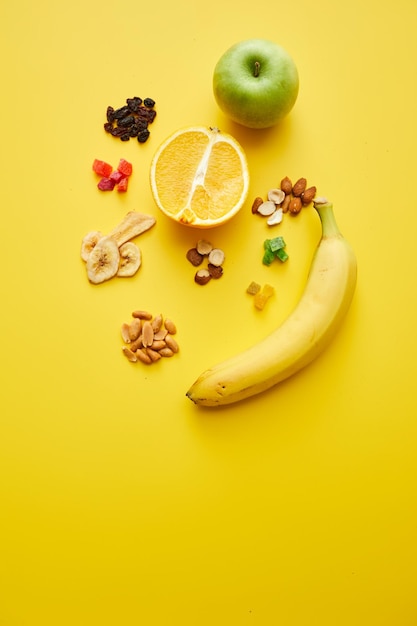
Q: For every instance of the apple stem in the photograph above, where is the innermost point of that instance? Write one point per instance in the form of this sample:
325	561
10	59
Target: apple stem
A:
257	68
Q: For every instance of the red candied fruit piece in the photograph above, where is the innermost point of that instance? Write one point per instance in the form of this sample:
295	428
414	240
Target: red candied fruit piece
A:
125	167
116	176
102	168
106	184
122	186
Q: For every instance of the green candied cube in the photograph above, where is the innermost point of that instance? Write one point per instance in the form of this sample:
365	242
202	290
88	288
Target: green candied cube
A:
277	243
268	257
282	255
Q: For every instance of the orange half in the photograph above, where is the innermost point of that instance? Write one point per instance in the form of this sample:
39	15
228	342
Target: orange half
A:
199	177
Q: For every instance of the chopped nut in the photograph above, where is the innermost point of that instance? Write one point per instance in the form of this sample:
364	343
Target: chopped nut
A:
216	257
202	277
215	271
253	288
299	187
194	256
286	185
256	204
266	208
275	218
276	195
204	247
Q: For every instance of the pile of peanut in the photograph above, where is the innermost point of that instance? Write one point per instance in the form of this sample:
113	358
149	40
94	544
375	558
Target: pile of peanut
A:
148	338
287	198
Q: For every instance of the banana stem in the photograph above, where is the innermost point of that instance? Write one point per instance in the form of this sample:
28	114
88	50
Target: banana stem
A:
328	221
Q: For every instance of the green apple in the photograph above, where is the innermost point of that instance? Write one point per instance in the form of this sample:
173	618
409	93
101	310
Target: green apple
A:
255	83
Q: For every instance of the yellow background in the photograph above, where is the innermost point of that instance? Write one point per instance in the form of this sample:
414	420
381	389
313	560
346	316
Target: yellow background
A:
121	502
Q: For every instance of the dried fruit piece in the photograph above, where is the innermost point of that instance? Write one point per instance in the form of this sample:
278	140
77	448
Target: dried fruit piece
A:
124	167
122	186
102	168
89	242
253	288
262	297
132	225
130	259
106	184
103	261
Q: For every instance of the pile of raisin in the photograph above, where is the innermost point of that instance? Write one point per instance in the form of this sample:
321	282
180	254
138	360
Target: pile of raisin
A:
131	120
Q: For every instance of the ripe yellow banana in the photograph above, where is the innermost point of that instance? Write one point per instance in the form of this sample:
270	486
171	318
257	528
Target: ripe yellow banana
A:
301	337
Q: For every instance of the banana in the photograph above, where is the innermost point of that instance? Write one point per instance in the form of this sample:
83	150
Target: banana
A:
301	337
130	259
103	261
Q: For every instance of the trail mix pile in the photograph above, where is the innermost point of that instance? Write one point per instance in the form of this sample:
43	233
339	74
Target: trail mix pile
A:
285	198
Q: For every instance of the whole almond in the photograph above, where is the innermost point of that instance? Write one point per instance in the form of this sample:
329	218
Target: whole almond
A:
308	195
299	187
286	185
295	205
256	204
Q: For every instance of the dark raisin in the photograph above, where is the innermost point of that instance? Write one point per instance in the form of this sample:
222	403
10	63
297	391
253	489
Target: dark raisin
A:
126	121
148	102
108	127
151	115
134	103
125	137
121	112
110	114
143	136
